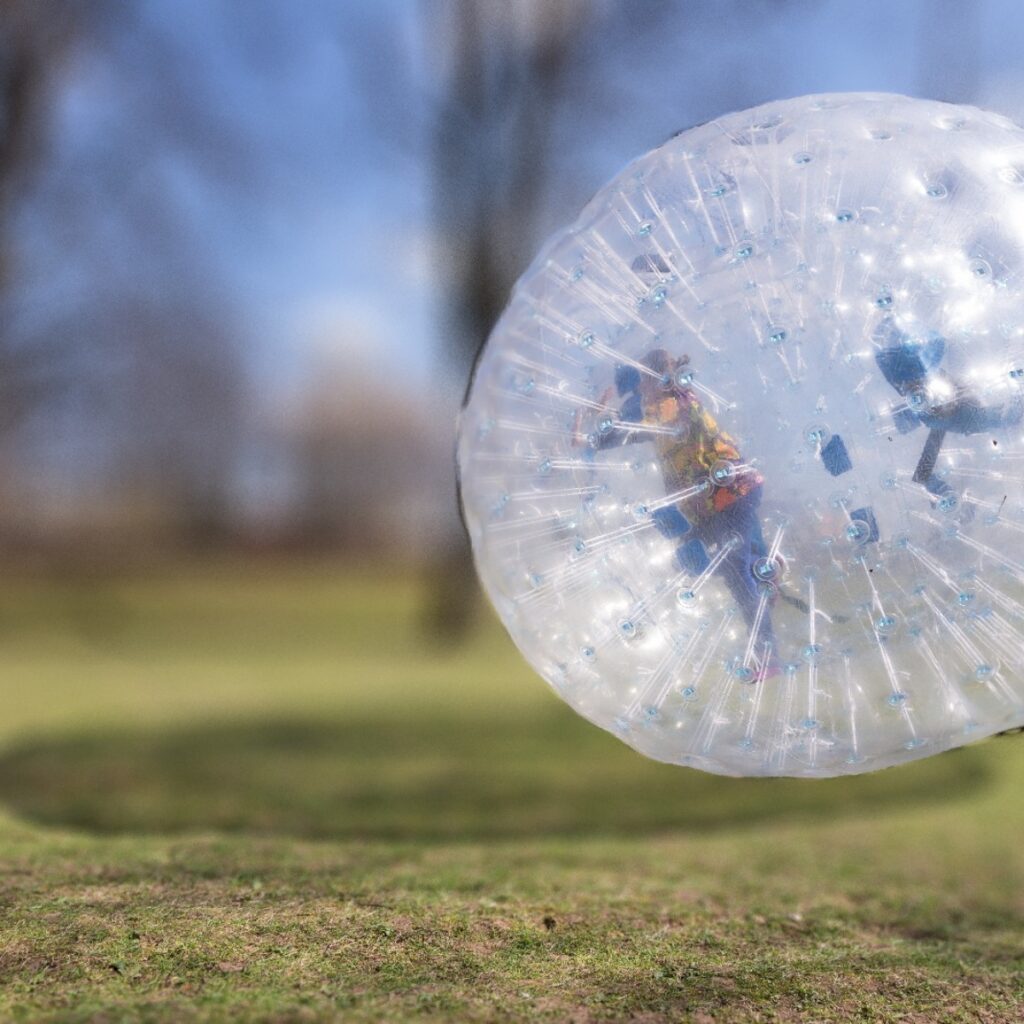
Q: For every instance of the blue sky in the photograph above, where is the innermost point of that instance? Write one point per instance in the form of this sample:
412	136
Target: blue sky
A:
292	141
327	242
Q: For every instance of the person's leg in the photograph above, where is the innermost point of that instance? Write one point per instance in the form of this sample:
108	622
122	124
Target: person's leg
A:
741	520
758	548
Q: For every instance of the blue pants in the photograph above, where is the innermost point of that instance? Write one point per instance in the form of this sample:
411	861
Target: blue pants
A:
741	519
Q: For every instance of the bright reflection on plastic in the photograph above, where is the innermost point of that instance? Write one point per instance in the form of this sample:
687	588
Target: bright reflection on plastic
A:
742	461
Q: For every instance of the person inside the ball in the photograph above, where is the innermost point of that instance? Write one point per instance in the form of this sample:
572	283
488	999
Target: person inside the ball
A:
718	495
934	399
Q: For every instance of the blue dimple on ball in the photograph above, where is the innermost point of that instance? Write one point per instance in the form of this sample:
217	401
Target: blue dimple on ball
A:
867	517
835	457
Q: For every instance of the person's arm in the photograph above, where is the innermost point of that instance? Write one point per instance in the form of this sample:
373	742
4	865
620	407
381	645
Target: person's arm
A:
964	414
630	412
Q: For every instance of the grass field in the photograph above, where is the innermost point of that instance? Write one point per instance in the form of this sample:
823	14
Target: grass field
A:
254	795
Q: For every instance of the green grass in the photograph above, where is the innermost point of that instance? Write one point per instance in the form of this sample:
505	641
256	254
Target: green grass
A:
252	794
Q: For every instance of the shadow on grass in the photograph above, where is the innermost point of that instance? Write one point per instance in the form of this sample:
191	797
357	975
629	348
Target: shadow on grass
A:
431	778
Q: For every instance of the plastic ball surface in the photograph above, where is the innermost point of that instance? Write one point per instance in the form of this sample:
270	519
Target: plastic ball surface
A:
742	461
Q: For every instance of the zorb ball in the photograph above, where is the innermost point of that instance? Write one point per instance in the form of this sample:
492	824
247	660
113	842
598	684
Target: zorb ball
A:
741	462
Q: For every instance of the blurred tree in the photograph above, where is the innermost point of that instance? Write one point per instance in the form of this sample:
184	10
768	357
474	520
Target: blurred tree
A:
38	42
505	75
364	457
526	92
502	68
113	321
174	420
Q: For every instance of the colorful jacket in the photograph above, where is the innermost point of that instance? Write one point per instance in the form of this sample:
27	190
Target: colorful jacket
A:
689	453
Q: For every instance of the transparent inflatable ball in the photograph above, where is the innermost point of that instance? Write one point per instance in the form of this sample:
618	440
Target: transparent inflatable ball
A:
742	461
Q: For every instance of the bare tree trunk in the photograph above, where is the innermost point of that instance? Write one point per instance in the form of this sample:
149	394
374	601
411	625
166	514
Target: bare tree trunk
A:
490	160
453	596
36	39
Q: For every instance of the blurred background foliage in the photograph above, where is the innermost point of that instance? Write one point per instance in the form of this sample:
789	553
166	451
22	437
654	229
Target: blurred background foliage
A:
248	251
